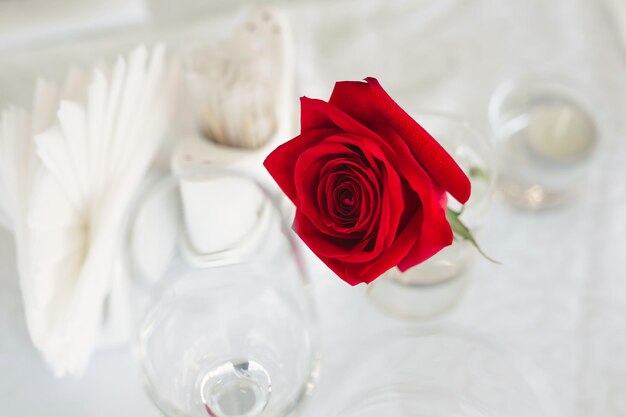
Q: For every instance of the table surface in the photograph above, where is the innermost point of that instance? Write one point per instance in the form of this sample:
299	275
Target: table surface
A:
559	297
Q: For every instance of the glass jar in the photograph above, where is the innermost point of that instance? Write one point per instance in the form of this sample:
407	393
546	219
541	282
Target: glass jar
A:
435	285
545	130
226	322
440	371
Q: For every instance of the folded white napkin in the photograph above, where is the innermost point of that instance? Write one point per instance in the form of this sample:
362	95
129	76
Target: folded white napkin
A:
78	161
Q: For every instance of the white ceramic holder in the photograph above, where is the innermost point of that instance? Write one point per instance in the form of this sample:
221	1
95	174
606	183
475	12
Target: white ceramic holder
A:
214	225
259	53
242	86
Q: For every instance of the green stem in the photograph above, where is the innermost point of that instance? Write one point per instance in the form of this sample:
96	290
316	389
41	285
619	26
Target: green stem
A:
460	230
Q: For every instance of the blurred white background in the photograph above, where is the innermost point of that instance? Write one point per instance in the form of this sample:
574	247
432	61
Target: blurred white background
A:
558	300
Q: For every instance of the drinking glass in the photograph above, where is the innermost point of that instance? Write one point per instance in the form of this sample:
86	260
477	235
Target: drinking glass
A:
226	323
434	286
546	129
440	372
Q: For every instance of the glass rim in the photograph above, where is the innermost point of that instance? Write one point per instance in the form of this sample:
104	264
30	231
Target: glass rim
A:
527	370
169	181
483	139
536	82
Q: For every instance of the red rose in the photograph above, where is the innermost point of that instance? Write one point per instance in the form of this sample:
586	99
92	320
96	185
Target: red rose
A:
369	183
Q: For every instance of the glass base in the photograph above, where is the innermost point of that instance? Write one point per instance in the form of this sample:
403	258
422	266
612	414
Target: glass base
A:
428	289
414	401
416	301
236	388
531	196
546	133
441	371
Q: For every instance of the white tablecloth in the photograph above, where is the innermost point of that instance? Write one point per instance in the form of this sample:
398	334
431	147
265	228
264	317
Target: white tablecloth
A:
559	299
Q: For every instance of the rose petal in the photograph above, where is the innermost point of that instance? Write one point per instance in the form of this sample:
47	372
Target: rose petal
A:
365	272
390	201
327	247
431	155
308	174
318	114
436	233
369	193
282	161
381	167
388	207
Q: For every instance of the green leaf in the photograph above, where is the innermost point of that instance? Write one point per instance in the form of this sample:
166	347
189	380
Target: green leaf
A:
479	173
464	232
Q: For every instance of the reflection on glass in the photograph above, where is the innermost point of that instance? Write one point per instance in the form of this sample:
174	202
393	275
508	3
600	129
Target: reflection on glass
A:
434	286
545	134
441	372
226	326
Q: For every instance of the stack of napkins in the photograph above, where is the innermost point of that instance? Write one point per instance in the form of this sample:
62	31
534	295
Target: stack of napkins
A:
68	173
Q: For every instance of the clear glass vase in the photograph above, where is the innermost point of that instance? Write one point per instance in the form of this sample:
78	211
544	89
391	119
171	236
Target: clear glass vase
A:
226	323
546	129
435	285
440	372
